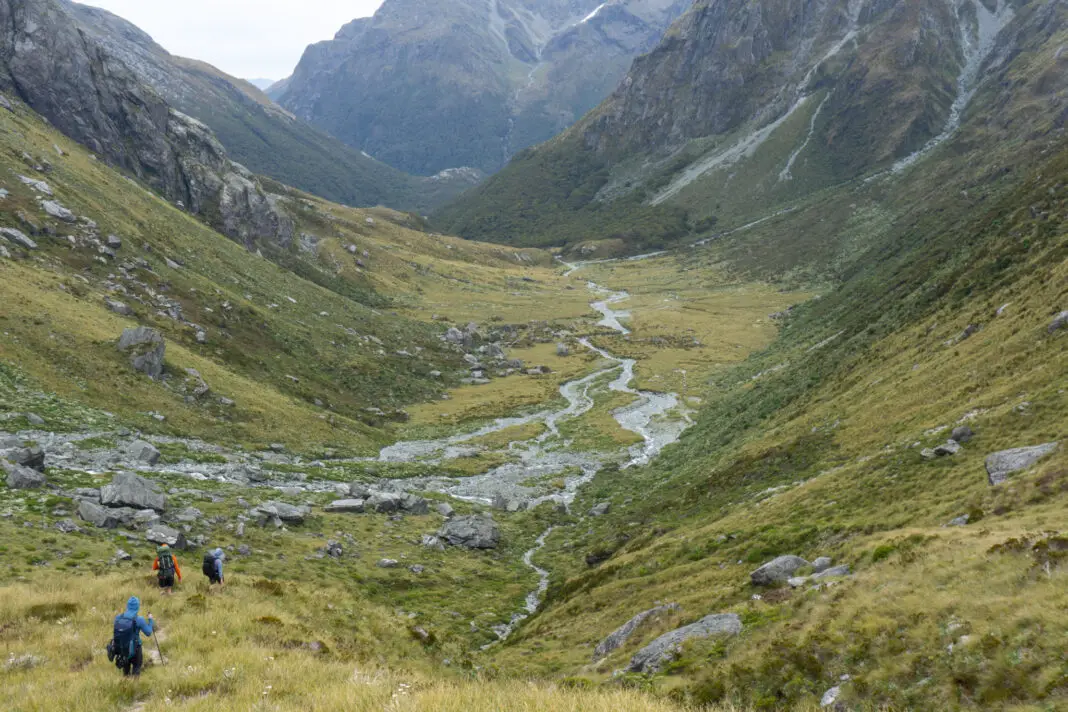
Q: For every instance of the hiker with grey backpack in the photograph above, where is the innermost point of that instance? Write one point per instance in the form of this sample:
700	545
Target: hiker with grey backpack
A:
213	566
125	647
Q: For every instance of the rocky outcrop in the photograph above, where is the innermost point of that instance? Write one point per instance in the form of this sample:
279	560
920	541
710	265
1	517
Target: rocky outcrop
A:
665	648
142	452
777	570
621	634
1001	465
493	78
130	490
88	92
344	506
19	477
475	532
277	513
146	350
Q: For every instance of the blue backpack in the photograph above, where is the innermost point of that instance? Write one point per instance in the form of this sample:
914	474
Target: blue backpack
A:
125	639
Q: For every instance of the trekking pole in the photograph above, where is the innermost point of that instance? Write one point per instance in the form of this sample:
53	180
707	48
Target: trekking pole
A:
158	650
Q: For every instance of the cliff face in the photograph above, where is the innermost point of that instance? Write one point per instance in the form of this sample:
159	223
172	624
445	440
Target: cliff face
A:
746	107
53	64
431	86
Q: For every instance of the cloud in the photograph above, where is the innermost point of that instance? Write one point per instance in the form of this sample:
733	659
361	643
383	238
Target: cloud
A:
247	38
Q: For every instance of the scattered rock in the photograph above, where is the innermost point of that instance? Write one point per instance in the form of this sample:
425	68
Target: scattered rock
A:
146	350
508	505
830	697
822	564
334	549
444	509
946	449
1059	322
563	350
962	434
96	515
67	526
664	649
387	563
777	570
118	307
114	242
130	490
478	531
141	452
57	211
278	512
417	569
833	572
345	506
202	337
32	457
1000	465
620	635
18	237
34	419
121	555
39	185
162	534
454	336
244	550
19	477
601	509
432	542
959	521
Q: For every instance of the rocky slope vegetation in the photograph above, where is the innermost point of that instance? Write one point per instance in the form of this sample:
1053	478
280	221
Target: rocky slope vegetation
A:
746	109
426	86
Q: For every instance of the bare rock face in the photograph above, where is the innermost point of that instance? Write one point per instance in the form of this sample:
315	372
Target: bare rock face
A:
620	635
89	93
146	350
1001	465
130	490
475	532
777	570
664	649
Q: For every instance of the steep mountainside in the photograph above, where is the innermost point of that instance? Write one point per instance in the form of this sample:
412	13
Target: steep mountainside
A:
431	86
746	108
259	134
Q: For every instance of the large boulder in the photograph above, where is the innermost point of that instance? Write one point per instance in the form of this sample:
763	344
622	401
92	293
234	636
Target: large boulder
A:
665	648
143	453
620	635
130	490
777	570
99	516
478	531
385	502
32	457
1000	465
146	349
278	512
341	506
19	477
162	534
414	504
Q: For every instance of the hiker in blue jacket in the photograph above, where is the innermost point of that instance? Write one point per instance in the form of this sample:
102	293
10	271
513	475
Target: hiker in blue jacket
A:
213	566
125	648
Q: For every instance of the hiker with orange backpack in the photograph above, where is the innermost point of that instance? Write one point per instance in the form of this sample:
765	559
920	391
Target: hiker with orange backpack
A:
167	567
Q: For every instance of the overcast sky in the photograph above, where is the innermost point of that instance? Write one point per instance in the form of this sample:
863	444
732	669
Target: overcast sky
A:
251	39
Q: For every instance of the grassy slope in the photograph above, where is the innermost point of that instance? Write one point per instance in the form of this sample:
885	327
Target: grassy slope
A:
264	323
816	456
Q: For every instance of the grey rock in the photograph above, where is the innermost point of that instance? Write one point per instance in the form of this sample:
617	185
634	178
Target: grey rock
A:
960	521
563	350
506	504
188	515
822	564
833	572
6	103
130	490
385	502
39	185
281	511
417	569
354	506
19	477
620	635
121	555
1059	322
55	210
146	350
962	434
1000	465
32	457
830	697
98	516
118	307
950	447
776	570
334	549
162	534
91	494
114	242
432	542
444	509
665	648
34	419
18	237
142	452
454	336
244	550
474	532
600	509
67	526
359	490
414	504
387	563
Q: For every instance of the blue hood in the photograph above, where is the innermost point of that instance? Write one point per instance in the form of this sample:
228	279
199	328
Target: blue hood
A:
133	606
